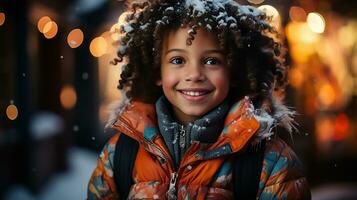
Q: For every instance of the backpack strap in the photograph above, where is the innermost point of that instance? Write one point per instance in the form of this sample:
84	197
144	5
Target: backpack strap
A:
247	168
124	160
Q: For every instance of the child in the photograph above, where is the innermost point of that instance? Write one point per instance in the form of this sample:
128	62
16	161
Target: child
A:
199	81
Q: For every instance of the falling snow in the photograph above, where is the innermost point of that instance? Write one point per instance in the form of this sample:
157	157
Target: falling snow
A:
75	128
85	76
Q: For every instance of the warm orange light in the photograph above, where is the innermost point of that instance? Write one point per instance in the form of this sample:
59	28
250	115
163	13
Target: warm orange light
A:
103	113
296	77
327	95
301	52
297	14
75	38
98	46
255	1
68	97
11	112
115	32
2	18
324	129
42	22
341	127
273	13
121	19
316	22
299	32
50	29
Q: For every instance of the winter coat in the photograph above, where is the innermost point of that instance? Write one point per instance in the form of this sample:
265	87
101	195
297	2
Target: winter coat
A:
205	171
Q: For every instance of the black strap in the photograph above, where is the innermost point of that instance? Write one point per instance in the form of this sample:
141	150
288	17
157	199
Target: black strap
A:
124	160
247	168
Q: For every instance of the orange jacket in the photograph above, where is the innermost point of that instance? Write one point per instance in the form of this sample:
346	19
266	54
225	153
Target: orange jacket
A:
205	170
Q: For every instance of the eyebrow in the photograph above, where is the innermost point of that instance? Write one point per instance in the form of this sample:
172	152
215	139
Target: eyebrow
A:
207	51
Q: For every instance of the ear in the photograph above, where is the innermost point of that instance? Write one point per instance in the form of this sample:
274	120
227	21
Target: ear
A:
158	83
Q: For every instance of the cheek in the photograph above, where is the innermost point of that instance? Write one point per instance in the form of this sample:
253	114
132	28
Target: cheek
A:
169	80
221	81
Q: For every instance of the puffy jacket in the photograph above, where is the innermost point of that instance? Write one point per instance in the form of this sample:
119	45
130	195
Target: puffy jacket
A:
205	170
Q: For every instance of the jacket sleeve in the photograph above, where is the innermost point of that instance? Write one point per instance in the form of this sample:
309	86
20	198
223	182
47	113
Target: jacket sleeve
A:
282	174
101	184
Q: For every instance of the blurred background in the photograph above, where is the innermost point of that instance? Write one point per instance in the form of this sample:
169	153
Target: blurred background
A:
56	88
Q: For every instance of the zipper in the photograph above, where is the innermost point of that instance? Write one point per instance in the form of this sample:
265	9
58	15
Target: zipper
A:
182	137
171	193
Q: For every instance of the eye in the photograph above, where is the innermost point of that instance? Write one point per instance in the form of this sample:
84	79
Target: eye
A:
212	61
177	61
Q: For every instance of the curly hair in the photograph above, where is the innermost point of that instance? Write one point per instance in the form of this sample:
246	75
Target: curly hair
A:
243	32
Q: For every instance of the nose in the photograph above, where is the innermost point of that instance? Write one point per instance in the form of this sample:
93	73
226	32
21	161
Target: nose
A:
195	73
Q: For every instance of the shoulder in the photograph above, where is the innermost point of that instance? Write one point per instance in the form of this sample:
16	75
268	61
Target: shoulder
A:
282	172
108	152
279	158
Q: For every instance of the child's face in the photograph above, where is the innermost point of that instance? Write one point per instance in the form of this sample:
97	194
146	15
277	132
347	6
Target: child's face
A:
194	77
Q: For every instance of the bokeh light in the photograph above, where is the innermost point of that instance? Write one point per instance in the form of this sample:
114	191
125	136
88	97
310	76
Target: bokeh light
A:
50	30
296	77
342	126
42	22
271	12
316	22
12	112
98	46
298	32
297	14
2	18
327	95
115	32
255	1
68	97
75	38
324	129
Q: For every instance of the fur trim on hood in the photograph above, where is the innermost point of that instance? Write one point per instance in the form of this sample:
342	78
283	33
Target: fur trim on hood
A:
281	116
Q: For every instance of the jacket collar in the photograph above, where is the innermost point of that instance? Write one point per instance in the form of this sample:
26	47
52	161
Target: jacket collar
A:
138	120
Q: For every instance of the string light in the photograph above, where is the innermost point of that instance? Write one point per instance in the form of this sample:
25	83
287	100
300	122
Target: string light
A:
2	18
316	22
271	12
98	46
12	112
50	30
255	1
297	14
75	38
42	22
68	97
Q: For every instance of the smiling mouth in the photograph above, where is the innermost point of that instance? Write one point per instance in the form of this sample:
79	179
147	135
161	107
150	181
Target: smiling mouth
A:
194	93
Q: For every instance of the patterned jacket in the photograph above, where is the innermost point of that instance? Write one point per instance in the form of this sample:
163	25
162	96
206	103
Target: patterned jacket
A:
205	171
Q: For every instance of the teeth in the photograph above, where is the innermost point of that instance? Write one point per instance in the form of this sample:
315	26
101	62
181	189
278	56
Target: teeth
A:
192	93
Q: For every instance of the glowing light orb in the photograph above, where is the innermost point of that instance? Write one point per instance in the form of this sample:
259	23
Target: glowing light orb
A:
255	1
297	14
342	127
12	112
75	38
2	18
42	22
98	46
68	97
316	22
271	12
327	95
50	30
